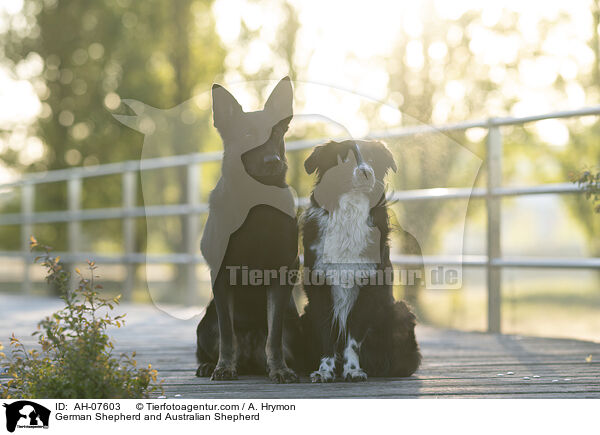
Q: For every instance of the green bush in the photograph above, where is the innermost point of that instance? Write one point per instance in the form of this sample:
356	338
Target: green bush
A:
76	358
590	184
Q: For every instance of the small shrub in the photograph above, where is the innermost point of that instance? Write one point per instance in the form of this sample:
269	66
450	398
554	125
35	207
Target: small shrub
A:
590	184
76	358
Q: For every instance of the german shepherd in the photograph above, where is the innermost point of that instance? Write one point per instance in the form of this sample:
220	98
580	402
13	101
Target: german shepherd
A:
252	226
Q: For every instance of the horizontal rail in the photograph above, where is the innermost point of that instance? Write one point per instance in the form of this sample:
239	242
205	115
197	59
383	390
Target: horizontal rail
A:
116	168
186	159
506	262
552	263
184	209
479	192
483	123
104	213
397	260
131	258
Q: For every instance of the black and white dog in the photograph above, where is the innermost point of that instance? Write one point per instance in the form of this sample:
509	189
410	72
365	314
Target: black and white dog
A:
353	325
252	225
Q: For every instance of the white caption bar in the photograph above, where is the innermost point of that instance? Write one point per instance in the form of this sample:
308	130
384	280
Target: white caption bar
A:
295	416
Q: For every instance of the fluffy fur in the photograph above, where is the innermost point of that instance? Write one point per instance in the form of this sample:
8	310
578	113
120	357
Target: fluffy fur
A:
360	327
343	237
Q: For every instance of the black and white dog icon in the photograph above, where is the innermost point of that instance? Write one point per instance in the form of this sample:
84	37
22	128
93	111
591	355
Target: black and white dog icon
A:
26	414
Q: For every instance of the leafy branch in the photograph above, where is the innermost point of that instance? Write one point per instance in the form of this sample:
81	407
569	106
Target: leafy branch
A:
75	359
589	182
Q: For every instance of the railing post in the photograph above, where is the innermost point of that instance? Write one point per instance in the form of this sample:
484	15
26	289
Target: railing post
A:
74	225
129	187
193	176
27	205
494	248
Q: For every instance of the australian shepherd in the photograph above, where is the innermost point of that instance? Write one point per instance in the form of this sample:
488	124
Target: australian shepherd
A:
353	325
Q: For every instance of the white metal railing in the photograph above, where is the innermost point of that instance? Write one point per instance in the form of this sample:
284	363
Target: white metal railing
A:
493	261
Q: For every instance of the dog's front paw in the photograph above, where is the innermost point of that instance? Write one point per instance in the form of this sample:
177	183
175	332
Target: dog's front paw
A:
283	376
322	376
326	372
355	375
224	373
205	370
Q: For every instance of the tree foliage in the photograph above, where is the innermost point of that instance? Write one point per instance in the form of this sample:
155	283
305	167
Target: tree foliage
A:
590	184
92	55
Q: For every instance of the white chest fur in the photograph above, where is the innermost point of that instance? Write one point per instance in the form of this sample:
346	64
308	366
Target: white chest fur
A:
347	233
343	250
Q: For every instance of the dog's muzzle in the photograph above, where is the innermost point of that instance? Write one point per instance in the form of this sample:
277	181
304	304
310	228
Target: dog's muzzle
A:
272	159
273	164
363	177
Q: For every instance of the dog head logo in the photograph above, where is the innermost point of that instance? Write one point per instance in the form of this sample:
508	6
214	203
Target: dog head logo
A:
253	167
253	159
26	414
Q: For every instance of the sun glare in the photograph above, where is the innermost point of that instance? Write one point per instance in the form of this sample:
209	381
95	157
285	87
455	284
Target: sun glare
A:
350	46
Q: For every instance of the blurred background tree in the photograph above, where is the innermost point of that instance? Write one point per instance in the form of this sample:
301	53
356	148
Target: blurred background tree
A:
90	55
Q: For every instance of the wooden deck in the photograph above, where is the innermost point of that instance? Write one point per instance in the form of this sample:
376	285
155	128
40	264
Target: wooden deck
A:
455	364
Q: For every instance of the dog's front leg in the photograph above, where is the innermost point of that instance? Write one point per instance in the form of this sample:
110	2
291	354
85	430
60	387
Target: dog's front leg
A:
352	370
278	298
226	365
324	334
357	331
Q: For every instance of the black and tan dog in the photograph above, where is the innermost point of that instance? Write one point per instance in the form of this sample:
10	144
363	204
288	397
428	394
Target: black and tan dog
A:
251	226
351	320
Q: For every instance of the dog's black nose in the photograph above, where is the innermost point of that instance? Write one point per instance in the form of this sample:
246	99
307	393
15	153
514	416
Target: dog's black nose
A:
272	159
364	169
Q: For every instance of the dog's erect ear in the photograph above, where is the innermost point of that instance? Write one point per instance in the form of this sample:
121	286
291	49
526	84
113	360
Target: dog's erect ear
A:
225	106
312	162
133	121
281	99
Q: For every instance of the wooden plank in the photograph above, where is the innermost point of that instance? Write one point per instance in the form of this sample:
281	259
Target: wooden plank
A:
367	390
455	364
